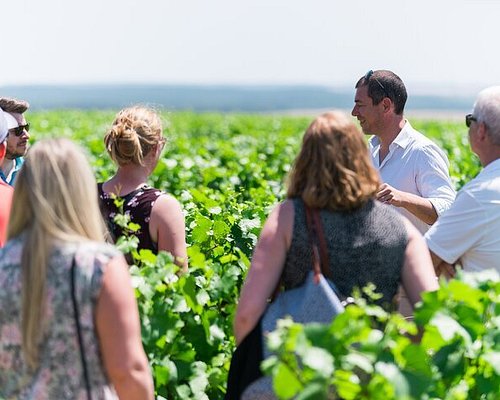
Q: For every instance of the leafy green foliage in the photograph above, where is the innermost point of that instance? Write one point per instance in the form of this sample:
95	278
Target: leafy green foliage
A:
367	353
228	171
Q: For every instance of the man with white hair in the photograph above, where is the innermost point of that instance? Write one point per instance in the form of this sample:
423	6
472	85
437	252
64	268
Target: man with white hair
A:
6	191
469	232
17	143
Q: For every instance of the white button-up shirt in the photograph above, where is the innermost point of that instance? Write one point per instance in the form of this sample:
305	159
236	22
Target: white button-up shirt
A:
416	165
470	229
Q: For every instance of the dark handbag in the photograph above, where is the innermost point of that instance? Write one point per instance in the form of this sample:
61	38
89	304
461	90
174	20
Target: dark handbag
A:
76	314
245	364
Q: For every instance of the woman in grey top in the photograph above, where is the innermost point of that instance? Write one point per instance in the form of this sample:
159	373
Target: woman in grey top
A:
366	240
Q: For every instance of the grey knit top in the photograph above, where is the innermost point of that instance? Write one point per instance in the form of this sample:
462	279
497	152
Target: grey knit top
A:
364	245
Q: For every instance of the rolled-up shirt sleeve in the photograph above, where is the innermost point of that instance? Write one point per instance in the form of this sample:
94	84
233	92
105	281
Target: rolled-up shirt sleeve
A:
459	229
433	178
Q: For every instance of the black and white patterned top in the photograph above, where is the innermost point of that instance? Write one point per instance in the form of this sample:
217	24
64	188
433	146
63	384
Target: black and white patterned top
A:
60	372
138	205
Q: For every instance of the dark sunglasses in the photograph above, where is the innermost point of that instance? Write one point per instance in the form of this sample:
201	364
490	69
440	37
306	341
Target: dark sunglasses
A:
20	129
367	77
468	120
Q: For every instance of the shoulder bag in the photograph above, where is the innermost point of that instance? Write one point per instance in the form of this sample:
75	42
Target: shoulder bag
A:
317	299
76	314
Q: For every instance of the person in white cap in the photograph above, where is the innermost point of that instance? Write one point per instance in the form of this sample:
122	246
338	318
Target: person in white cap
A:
17	143
6	191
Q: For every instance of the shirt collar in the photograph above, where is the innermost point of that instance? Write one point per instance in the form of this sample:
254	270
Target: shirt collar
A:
492	166
402	140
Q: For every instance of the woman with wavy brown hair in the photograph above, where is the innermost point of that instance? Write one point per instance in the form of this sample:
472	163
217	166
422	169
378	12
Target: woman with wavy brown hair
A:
135	142
366	240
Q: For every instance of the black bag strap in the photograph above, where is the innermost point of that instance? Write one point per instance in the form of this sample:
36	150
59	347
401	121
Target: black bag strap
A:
76	314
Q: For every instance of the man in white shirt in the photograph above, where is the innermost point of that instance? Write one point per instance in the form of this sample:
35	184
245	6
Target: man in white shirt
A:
469	232
413	168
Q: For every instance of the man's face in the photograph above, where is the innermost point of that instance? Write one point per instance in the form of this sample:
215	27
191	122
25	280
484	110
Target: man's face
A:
17	145
368	114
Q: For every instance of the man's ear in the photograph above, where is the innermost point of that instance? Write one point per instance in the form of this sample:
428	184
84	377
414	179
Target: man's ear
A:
387	103
482	132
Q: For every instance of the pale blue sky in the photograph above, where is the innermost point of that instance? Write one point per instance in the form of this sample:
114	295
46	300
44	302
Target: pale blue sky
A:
437	45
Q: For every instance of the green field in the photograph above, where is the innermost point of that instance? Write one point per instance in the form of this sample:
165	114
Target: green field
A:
228	171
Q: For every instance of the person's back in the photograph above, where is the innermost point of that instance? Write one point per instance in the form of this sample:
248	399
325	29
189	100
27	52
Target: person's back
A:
59	349
364	246
366	241
135	142
469	232
137	204
485	190
66	330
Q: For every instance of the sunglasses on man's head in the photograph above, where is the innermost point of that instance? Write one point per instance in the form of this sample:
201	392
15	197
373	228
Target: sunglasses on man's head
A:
468	120
20	129
367	77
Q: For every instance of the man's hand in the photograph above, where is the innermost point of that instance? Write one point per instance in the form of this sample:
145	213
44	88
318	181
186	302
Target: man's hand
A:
418	206
446	270
389	195
441	267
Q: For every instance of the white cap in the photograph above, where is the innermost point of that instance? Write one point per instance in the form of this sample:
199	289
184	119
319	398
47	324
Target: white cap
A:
11	121
4	128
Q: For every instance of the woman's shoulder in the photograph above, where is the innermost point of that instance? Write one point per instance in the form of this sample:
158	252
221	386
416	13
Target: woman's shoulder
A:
293	204
389	220
151	190
144	195
92	259
85	252
385	210
99	250
165	201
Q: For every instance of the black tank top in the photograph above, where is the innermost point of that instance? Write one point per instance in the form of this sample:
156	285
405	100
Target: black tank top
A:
138	205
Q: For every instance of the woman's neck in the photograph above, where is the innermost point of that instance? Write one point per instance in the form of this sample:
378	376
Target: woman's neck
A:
127	179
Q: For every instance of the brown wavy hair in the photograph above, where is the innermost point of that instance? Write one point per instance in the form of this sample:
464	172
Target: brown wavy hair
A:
333	169
135	131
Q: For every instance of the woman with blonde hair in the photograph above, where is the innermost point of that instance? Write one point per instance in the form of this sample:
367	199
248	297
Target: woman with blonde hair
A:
69	323
135	142
366	240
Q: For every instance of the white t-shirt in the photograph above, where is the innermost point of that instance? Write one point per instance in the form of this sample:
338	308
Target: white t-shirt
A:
470	229
416	165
